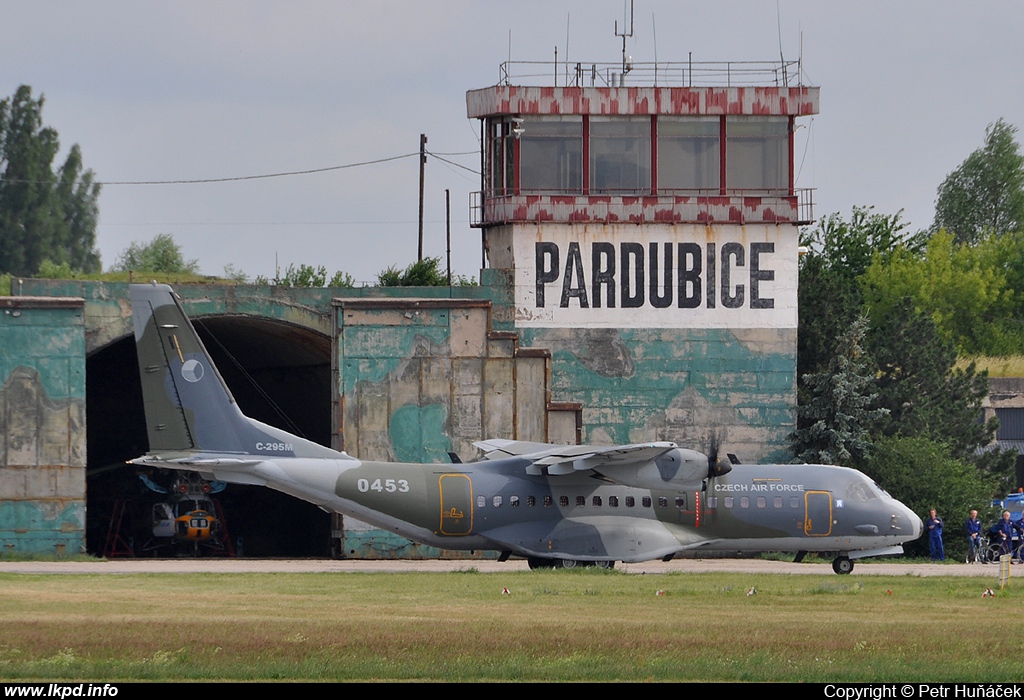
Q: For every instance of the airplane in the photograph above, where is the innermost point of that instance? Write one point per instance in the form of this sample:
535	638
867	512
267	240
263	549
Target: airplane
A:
554	505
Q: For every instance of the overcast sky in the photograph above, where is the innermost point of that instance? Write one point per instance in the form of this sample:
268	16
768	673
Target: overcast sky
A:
197	90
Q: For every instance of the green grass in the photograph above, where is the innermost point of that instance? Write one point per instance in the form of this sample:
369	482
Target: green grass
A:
554	626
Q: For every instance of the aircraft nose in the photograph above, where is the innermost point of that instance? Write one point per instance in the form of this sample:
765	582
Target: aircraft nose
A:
916	526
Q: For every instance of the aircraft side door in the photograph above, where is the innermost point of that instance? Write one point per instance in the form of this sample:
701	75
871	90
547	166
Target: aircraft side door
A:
689	505
456	504
817	513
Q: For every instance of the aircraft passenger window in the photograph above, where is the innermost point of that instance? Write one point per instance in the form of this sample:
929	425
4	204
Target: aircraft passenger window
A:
762	502
680	501
729	501
630	501
563	501
662	502
513	501
712	501
777	502
794	502
548	502
597	500
744	502
613	501
497	501
645	501
481	501
531	501
581	500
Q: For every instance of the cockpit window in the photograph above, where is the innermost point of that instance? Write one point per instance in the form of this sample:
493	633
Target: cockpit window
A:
860	491
880	489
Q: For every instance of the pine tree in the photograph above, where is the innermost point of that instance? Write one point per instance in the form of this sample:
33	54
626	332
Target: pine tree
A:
833	425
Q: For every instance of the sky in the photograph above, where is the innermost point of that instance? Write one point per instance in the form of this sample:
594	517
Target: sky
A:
188	90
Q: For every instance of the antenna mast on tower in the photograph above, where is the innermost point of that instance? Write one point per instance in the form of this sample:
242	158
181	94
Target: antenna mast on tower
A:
627	61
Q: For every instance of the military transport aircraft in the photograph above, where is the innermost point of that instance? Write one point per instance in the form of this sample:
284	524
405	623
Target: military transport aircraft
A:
556	505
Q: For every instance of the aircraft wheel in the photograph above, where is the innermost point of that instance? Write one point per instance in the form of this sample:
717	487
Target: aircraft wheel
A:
607	564
538	563
566	563
842	565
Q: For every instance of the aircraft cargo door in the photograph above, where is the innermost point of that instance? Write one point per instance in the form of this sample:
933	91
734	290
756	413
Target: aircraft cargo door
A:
817	513
456	504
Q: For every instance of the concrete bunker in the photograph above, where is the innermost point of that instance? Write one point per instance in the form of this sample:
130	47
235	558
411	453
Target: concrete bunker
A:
279	373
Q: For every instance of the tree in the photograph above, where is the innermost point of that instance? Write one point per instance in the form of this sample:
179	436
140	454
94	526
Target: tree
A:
161	254
921	473
830	295
422	273
964	288
44	214
918	384
833	425
986	193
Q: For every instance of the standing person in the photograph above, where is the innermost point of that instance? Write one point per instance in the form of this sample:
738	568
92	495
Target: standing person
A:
973	527
934	526
1004	528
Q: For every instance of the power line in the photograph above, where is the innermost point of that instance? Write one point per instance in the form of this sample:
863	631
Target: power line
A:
451	162
257	177
313	171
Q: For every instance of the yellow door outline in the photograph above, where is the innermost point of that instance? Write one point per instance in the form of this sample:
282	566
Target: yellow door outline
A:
815	512
456	504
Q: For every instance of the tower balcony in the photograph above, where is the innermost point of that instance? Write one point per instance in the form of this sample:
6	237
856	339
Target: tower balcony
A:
693	206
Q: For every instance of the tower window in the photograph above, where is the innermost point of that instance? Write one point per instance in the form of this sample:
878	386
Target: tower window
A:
620	155
551	155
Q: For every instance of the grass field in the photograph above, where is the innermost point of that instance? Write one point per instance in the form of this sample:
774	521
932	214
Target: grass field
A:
552	626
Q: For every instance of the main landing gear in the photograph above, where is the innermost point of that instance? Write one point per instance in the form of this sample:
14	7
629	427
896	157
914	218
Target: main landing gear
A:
539	563
842	565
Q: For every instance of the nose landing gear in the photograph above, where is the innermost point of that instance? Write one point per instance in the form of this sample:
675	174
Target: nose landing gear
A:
842	565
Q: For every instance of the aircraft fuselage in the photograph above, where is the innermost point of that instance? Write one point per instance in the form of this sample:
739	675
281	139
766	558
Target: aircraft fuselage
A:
494	505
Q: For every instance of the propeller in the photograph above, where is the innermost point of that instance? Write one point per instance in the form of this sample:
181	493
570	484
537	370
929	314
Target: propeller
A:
716	465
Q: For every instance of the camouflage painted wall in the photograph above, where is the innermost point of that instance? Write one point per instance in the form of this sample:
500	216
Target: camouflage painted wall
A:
679	332
419	378
42	425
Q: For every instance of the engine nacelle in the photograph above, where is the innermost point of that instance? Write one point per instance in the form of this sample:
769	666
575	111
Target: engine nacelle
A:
678	469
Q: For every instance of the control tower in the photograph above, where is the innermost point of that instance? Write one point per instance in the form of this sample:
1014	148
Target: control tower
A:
641	222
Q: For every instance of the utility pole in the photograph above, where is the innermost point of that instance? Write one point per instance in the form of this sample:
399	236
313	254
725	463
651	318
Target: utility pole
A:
423	162
448	230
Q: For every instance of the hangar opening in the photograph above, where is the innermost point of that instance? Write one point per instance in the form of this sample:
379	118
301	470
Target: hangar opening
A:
279	374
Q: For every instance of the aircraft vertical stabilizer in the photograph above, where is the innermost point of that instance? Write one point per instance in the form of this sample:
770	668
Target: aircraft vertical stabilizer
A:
188	405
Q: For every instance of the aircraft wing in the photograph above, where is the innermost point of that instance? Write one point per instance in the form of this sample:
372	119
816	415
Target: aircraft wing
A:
566	459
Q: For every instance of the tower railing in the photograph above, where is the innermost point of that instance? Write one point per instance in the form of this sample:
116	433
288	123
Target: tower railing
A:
660	74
